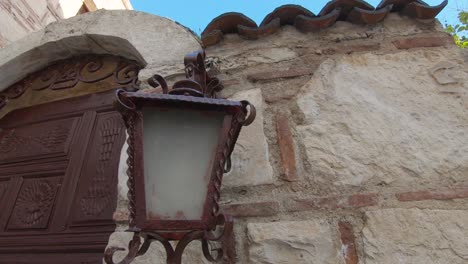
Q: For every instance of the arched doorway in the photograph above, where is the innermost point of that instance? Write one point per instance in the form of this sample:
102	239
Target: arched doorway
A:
60	146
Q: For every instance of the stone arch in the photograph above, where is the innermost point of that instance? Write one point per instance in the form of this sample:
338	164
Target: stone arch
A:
156	43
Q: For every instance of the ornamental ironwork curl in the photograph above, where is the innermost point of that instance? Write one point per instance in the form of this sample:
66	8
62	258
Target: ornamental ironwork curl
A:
174	255
198	82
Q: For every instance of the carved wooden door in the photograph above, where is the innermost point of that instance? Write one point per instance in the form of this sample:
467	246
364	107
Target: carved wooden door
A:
58	180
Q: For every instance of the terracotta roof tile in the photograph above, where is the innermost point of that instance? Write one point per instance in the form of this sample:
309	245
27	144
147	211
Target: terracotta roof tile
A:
354	11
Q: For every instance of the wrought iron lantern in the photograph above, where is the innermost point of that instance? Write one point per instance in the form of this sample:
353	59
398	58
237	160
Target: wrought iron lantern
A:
180	142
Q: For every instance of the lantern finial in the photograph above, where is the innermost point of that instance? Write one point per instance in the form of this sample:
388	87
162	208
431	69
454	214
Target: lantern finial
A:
197	83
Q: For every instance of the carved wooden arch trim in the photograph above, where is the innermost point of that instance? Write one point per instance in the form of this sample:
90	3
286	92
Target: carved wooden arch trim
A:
107	71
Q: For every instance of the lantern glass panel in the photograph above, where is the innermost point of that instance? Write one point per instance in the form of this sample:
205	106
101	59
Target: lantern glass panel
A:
179	150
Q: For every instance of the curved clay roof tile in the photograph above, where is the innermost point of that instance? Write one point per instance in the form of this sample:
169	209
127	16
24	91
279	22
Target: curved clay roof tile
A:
310	24
255	33
354	11
398	5
346	6
228	22
362	16
287	14
421	10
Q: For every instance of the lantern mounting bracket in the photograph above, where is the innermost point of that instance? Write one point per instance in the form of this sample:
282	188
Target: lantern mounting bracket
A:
174	255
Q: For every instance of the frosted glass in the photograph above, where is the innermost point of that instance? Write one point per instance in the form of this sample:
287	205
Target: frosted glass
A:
179	149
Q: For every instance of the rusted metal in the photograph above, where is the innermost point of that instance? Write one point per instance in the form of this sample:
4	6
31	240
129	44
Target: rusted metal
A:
197	92
133	250
174	255
362	16
197	84
287	14
421	10
310	24
237	115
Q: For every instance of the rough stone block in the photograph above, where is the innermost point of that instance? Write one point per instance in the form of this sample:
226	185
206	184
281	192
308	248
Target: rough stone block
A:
416	236
250	163
270	55
293	242
380	119
445	72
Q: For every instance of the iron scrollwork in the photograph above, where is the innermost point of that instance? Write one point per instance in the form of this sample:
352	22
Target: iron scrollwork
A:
197	83
174	254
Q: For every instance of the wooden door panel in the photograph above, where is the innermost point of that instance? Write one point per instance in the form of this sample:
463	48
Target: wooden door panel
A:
36	141
33	205
97	188
58	180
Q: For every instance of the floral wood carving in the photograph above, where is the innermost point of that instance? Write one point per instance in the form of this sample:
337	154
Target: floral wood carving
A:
99	195
10	141
34	204
67	74
32	141
47	139
53	138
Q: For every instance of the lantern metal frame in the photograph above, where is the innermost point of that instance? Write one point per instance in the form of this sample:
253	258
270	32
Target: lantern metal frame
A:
198	93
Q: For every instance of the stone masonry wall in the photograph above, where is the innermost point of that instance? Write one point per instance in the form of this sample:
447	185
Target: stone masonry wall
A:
359	151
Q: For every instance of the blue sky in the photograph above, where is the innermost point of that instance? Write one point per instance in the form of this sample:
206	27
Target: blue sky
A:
197	14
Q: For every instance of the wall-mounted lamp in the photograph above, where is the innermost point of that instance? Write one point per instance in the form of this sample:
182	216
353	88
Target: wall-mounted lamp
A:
180	142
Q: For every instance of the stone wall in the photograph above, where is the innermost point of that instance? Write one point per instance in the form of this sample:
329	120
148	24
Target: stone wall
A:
359	151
